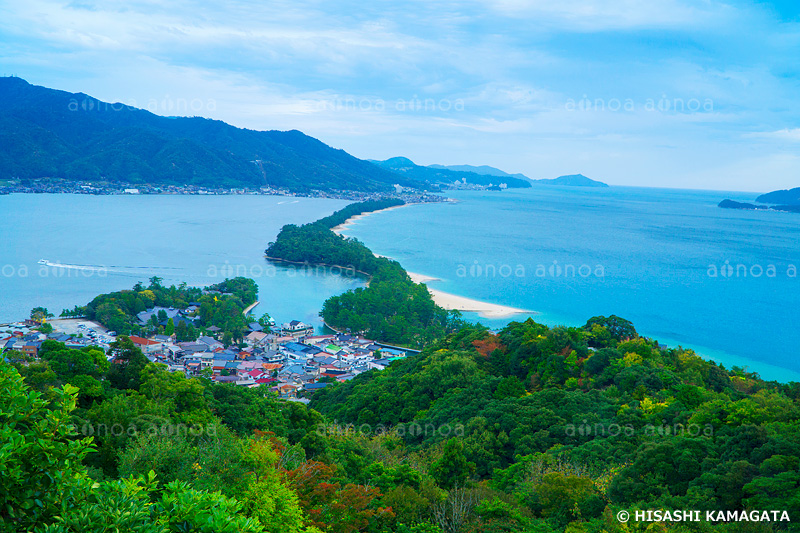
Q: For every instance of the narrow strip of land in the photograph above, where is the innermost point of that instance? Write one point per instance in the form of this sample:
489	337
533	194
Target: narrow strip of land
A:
444	299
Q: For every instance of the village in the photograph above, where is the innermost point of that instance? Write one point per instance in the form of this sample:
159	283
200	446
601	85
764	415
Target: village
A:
289	359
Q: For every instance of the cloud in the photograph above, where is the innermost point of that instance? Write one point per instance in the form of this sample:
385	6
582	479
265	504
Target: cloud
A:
785	135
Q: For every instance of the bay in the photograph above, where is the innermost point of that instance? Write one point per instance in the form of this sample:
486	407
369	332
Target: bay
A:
683	270
108	243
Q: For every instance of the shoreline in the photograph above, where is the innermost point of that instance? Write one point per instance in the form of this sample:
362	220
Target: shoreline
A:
445	300
338	230
454	302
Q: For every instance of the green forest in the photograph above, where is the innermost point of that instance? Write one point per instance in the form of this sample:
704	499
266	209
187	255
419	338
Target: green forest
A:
221	307
534	429
391	308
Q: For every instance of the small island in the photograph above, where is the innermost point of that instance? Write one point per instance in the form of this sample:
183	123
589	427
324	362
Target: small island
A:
784	200
571	180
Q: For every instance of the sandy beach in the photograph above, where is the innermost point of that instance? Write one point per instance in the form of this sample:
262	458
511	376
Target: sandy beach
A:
460	303
338	230
444	299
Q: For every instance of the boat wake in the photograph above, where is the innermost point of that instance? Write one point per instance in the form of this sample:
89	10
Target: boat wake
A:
117	269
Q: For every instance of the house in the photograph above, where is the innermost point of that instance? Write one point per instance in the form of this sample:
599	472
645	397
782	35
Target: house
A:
311	388
211	342
31	348
255	326
295	328
146	345
287	390
254	338
145	316
379	364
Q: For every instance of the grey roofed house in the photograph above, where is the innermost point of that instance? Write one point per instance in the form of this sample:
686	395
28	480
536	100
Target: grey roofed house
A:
225	355
144	316
162	338
213	329
176	321
227	379
292	369
231	365
255	326
210	341
193	347
324	359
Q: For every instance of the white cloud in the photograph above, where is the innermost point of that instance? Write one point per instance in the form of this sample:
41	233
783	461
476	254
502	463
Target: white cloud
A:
786	135
603	15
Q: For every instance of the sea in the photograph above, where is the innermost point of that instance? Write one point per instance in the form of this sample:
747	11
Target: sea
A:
97	244
685	272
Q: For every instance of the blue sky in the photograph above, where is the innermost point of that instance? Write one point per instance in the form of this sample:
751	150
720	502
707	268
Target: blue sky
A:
667	93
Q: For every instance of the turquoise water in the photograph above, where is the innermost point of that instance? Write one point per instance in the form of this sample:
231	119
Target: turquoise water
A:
643	254
647	251
109	243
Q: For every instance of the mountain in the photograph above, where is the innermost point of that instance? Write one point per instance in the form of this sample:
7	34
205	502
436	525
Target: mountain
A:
433	175
50	133
484	170
786	197
573	180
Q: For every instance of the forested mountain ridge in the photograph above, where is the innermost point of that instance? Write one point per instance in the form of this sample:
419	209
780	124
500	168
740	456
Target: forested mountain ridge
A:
50	133
407	169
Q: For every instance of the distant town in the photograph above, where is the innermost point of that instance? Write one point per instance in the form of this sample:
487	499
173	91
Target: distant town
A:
288	358
62	186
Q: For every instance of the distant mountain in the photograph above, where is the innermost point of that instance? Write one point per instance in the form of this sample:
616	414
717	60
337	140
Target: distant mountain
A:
485	170
785	197
573	180
435	174
50	133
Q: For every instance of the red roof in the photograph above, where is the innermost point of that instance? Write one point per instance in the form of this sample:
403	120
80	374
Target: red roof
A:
264	381
142	341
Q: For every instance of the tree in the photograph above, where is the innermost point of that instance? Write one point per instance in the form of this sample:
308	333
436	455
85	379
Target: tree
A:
618	328
128	363
40	455
170	330
452	469
40	314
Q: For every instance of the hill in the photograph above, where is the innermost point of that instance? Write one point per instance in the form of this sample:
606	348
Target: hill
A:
572	180
434	175
484	170
785	197
731	204
50	133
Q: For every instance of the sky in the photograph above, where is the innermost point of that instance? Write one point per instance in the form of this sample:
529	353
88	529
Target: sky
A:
665	93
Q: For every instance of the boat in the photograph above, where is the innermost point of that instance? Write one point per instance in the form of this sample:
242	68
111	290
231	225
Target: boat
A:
42	261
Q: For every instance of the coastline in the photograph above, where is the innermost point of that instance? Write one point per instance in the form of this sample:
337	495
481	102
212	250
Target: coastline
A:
445	300
338	230
454	302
